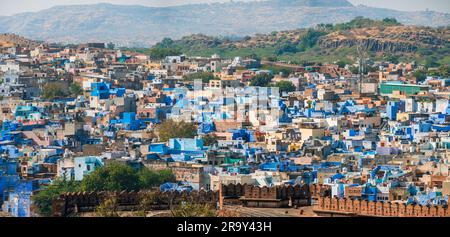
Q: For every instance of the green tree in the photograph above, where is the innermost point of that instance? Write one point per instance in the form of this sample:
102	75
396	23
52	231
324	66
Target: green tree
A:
166	47
53	91
341	64
75	89
114	176
434	73
354	70
285	86
391	22
361	22
430	62
444	70
171	129
285	72
262	80
310	39
149	178
286	48
117	176
420	75
43	198
160	53
204	76
165	43
110	46
392	58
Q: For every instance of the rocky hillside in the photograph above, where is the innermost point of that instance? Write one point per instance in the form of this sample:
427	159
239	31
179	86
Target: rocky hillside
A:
394	39
10	40
144	26
388	39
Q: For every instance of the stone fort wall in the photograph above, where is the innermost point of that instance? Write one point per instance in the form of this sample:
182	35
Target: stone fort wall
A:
345	206
72	203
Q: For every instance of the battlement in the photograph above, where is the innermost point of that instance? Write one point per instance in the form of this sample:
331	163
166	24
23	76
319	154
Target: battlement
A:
247	195
347	207
72	203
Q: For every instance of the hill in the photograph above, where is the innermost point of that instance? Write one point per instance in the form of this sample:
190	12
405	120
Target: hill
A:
385	39
144	26
10	40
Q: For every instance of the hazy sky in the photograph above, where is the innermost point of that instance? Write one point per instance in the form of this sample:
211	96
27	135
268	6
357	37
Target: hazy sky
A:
10	7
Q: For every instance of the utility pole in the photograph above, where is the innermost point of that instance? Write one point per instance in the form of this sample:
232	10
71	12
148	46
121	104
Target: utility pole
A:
362	54
220	195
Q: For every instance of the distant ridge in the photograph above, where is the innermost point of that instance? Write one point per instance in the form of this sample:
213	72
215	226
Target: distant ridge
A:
144	26
318	3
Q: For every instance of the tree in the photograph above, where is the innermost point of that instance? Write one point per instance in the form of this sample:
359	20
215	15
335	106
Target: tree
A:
160	53
420	75
166	47
361	22
147	200
310	39
165	43
204	76
430	62
188	209
210	140
171	129
444	71
117	176
341	64
286	48
262	80
434	73
149	178
392	58
43	198
114	176
53	91
75	89
284	72
108	208
110	46
285	86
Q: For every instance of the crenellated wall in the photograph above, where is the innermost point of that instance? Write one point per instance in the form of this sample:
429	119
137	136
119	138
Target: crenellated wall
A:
249	195
71	203
349	207
319	190
276	196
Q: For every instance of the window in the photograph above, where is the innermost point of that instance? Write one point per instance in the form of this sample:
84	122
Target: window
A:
88	167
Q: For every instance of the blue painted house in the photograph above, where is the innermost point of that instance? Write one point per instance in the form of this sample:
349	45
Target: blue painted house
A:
86	165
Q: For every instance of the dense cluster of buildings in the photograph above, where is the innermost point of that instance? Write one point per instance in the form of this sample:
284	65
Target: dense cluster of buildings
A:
381	137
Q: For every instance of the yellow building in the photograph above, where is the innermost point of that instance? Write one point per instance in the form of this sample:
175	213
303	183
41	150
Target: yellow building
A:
294	146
